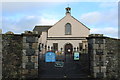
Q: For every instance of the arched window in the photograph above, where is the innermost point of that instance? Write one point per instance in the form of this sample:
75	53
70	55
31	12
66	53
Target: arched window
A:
68	29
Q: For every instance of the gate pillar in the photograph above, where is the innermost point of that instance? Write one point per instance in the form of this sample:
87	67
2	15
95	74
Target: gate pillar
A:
96	50
30	55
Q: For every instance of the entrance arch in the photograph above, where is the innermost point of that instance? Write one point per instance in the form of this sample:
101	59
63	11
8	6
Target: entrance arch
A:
68	48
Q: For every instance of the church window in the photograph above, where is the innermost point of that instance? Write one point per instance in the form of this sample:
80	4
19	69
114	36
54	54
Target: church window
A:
68	29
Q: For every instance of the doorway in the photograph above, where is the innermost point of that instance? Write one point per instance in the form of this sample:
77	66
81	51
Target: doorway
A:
68	48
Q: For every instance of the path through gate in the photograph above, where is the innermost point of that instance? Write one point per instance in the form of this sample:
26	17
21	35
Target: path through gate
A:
63	66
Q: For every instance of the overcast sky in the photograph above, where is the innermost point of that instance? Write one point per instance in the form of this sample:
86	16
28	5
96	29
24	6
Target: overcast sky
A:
100	17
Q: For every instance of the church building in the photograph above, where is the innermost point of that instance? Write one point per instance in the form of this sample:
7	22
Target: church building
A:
67	35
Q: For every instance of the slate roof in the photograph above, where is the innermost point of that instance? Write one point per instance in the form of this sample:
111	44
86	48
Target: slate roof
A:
41	28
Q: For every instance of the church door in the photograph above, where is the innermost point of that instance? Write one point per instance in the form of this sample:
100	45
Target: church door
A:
68	48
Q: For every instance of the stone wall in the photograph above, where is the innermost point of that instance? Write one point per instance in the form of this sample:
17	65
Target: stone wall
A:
112	57
12	56
96	48
30	56
0	54
20	56
104	59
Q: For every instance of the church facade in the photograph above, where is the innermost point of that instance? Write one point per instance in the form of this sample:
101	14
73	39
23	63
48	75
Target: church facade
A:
67	35
38	54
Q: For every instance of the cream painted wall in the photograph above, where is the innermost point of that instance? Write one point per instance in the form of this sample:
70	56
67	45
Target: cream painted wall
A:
43	37
58	30
78	30
61	43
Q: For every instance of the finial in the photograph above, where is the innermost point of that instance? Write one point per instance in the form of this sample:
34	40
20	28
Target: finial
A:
68	5
68	9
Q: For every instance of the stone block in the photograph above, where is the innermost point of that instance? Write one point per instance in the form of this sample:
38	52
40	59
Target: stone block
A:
98	41
95	57
23	65
99	52
102	46
36	52
105	51
94	75
35	32
93	63
36	65
103	58
0	46
92	52
36	39
34	59
34	72
100	63
24	52
24	39
95	69
30	52
104	41
103	69
92	41
97	63
30	65
24	59
30	39
25	45
35	46
100	75
95	46
24	71
30	45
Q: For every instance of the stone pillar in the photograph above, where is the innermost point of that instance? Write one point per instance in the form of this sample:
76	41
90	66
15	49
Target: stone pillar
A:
30	55
96	50
0	54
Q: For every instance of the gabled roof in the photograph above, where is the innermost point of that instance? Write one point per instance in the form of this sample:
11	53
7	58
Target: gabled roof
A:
74	19
41	28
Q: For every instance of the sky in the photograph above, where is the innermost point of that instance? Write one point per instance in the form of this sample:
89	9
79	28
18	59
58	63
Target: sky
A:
100	17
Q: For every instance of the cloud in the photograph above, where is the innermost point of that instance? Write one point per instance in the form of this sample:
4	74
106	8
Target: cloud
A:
25	8
20	25
100	20
45	21
91	17
108	31
25	23
105	17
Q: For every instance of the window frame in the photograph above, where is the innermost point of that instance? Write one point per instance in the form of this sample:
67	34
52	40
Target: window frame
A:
70	29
